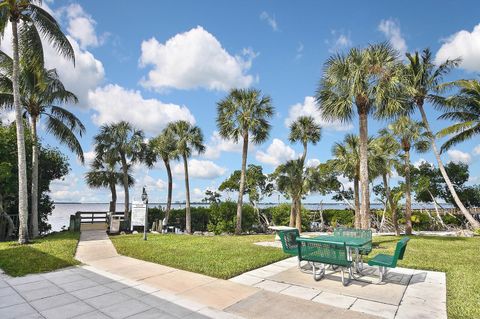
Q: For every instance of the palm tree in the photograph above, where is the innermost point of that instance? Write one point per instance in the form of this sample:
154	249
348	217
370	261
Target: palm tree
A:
244	114
422	81
126	144
464	109
189	139
367	80
164	147
408	134
41	94
35	24
305	130
106	175
346	161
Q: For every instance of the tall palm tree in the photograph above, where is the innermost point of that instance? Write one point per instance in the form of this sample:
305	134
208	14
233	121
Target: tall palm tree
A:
363	81
164	146
409	135
189	139
346	161
305	130
244	115
464	109
104	174
34	23
123	142
42	93
422	81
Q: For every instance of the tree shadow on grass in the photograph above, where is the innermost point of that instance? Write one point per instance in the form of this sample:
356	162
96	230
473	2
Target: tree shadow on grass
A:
22	260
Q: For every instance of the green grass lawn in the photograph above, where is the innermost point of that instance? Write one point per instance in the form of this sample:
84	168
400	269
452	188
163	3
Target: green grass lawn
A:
228	256
217	256
46	254
457	257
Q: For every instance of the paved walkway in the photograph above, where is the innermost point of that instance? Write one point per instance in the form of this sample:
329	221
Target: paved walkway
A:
206	295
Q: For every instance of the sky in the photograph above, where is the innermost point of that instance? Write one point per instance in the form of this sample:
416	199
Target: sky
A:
153	62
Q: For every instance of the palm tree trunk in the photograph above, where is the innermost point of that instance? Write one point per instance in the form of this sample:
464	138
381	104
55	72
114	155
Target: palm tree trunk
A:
169	191
9	220
22	157
388	195
238	227
293	212
408	195
298	219
364	182
356	195
188	216
126	210
113	203
34	197
475	224
304	155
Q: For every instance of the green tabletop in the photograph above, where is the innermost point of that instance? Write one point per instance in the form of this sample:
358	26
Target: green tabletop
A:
349	241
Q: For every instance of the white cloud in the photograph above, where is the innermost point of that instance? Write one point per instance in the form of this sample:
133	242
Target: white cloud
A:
476	150
314	162
194	59
299	54
114	103
87	73
459	156
200	169
391	29
309	108
420	162
464	45
277	153
217	145
338	42
264	16
7	116
80	25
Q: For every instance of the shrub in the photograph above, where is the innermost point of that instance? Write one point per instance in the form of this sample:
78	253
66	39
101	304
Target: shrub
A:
223	217
339	217
281	216
177	217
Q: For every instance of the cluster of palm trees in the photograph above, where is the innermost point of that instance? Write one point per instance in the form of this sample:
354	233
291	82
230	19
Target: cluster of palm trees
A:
374	81
34	92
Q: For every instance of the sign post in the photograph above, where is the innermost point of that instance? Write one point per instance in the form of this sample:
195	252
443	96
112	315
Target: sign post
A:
145	220
138	214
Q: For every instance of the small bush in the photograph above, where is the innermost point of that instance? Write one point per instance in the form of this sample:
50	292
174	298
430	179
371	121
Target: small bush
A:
223	217
281	216
177	217
339	217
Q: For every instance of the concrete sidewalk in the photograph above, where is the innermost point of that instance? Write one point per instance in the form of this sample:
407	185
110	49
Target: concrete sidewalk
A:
205	295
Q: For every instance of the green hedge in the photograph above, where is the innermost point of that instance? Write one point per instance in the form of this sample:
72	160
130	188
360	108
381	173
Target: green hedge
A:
223	217
177	217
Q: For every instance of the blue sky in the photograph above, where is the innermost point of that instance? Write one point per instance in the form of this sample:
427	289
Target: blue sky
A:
158	61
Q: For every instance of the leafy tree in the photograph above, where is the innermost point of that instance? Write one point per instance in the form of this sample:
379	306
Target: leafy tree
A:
189	139
212	197
422	81
243	115
30	24
365	81
464	109
123	142
409	134
42	93
257	186
164	147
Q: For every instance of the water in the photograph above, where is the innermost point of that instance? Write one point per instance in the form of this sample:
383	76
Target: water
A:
61	214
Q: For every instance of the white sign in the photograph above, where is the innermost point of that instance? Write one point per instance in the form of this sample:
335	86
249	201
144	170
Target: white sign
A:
138	214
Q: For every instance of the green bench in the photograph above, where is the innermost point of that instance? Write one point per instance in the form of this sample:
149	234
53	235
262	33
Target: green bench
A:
356	233
325	253
389	261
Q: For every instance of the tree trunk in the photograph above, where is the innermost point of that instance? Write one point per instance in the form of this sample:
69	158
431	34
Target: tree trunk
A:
113	203
473	222
388	195
188	216
169	191
125	187
304	155
356	195
364	182
435	205
408	195
298	219
34	198
238	227
22	157
9	220
293	212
